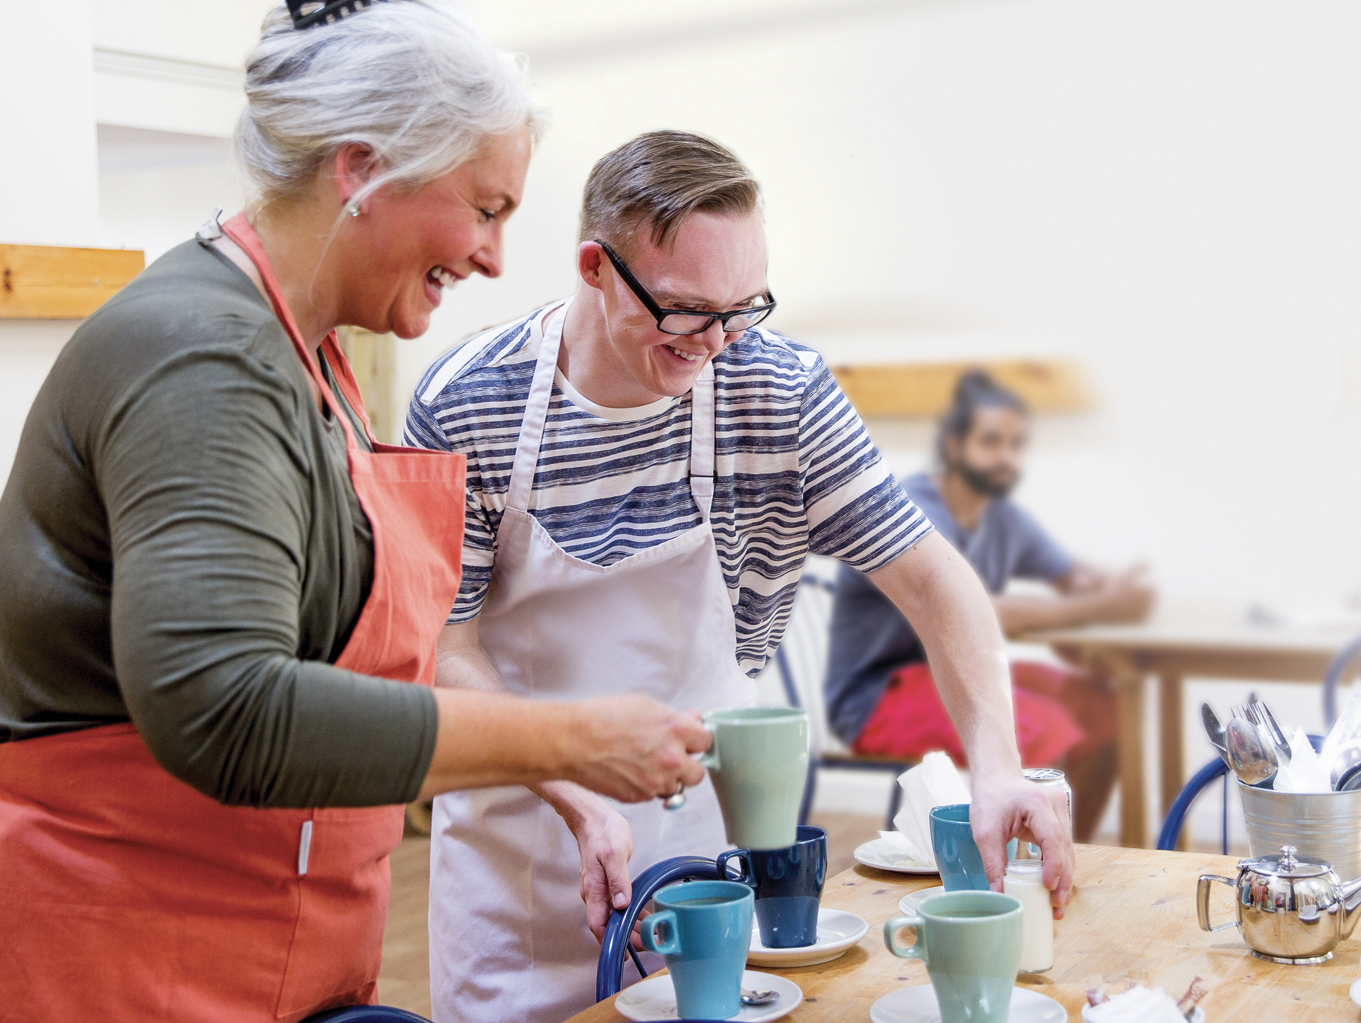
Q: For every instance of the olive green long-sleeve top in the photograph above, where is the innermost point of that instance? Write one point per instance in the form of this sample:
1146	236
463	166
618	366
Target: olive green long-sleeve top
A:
181	546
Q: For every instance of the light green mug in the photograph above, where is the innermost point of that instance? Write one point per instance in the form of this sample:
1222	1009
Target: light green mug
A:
759	766
970	942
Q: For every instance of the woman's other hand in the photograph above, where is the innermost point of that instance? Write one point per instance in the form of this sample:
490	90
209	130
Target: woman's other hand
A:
633	748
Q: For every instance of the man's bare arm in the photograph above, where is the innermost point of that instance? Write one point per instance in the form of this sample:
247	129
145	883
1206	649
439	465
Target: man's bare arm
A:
1084	595
942	597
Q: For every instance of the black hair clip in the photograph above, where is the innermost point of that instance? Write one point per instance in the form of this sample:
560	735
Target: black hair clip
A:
307	13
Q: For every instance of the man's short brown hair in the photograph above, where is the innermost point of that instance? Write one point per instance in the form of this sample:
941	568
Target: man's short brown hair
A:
658	180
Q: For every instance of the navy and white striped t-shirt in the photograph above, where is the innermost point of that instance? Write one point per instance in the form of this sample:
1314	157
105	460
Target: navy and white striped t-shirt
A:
795	469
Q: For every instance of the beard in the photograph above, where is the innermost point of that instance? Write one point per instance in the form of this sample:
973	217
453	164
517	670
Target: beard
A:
988	484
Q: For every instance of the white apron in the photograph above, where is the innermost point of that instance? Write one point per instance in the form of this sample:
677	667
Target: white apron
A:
508	934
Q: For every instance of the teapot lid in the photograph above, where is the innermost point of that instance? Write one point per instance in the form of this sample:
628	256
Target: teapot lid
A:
1287	864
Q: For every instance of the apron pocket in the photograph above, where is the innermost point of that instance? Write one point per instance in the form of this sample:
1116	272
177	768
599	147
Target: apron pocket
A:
337	944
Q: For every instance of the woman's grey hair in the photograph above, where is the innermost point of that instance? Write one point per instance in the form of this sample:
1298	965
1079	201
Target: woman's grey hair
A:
413	80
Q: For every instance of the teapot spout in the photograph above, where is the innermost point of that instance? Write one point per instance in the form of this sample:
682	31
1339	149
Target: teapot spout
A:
1351	902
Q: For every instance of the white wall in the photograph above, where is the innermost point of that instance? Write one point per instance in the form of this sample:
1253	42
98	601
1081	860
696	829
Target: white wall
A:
157	66
48	193
171	66
156	188
1163	190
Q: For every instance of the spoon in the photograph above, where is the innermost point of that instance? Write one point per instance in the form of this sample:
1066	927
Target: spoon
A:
758	997
1214	731
1250	756
1346	772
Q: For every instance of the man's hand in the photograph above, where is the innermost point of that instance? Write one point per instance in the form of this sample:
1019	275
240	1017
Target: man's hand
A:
606	843
1007	806
1126	597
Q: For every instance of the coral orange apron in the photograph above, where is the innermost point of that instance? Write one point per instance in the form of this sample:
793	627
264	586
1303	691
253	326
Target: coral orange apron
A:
126	895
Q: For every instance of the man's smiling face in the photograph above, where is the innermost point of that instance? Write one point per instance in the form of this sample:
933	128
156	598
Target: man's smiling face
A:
714	263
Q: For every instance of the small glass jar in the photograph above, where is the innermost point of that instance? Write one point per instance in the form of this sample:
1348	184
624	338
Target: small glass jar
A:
1025	883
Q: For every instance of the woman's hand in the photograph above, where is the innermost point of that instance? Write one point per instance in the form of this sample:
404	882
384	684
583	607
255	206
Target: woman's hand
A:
632	748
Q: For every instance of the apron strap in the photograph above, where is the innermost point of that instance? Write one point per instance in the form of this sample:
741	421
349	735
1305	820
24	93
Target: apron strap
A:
238	229
536	417
536	413
702	440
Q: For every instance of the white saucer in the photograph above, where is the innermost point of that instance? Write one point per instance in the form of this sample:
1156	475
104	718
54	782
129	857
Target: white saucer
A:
1197	1014
655	998
918	1005
909	902
837	932
880	855
1354	991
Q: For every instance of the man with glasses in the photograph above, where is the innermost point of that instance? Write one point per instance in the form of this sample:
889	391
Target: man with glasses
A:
648	467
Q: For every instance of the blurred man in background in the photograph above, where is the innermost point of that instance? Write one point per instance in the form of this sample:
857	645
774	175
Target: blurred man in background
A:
881	697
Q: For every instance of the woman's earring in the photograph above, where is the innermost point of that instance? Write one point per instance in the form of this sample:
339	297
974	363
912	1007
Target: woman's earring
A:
353	209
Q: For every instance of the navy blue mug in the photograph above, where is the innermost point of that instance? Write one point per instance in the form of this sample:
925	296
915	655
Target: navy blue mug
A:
788	885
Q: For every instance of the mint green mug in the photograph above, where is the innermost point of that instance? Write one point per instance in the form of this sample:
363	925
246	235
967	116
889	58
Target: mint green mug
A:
759	766
970	942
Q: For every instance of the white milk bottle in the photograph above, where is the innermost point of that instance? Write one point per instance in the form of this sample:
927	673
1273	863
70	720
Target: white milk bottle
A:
1024	883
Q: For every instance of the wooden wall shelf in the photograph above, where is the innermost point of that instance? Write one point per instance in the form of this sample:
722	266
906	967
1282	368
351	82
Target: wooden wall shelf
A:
48	282
924	389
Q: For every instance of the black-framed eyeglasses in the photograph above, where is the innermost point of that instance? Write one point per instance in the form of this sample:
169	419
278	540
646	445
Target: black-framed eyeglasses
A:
689	321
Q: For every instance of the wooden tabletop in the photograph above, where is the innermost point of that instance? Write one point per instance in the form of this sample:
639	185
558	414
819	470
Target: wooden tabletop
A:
1134	912
1210	648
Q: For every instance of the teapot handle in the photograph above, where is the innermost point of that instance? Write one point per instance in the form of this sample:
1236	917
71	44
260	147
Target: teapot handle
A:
1203	900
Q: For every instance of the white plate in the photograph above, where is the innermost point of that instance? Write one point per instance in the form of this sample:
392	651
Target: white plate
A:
655	998
1354	991
879	855
918	1005
1197	1014
909	902
837	932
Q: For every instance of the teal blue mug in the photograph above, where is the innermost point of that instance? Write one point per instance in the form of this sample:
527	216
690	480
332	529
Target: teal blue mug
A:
970	942
703	929
957	856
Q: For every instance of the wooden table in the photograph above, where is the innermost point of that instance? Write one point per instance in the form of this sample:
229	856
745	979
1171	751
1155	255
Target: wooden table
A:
1134	910
1171	649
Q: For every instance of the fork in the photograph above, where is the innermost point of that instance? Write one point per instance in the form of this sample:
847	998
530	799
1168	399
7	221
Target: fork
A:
1267	721
1257	712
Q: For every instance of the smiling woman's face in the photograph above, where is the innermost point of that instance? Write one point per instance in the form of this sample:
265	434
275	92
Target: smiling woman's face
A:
407	246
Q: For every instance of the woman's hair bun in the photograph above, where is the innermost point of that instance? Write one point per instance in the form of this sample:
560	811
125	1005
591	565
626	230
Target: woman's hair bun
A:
413	80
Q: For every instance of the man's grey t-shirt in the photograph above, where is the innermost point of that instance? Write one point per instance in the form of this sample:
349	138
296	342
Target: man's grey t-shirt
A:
870	637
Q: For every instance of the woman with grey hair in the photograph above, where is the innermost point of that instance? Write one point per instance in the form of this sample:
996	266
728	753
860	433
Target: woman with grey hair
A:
219	587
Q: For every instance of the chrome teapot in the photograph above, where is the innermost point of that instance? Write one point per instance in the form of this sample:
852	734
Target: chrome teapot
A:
1290	908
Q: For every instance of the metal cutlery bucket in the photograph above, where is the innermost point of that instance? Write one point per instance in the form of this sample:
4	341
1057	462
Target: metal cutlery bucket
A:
1321	825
